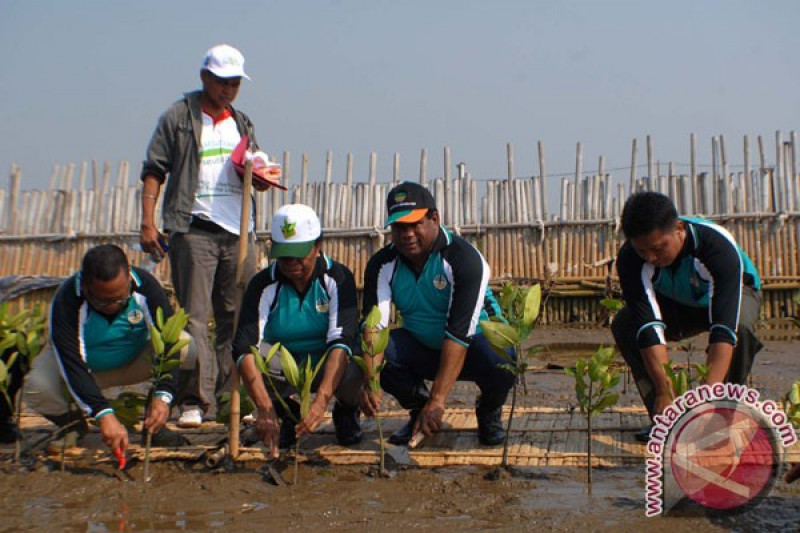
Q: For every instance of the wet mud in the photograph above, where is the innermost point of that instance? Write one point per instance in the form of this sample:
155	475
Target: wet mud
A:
186	496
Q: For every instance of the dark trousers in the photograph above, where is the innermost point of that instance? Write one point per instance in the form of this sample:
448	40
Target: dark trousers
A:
409	363
683	322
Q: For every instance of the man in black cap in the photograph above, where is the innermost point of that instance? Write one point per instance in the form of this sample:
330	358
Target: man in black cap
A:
438	283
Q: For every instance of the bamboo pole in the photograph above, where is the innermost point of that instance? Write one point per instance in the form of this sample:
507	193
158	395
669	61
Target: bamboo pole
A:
632	184
649	142
287	167
423	167
396	169
244	226
777	184
543	179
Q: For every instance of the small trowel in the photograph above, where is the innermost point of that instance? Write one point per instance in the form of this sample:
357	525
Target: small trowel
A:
400	454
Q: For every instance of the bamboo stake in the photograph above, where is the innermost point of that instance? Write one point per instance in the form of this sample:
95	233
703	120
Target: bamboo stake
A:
244	226
423	167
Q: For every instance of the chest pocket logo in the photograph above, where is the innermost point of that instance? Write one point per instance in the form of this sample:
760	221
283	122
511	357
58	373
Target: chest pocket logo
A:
321	305
135	316
440	282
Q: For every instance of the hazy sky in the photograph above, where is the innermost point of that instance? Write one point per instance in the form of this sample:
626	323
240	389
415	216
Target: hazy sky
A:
88	79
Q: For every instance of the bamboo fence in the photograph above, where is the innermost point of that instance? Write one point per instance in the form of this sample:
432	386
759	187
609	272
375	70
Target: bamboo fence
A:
569	245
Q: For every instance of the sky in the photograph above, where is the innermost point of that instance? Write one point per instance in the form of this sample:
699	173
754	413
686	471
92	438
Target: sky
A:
84	80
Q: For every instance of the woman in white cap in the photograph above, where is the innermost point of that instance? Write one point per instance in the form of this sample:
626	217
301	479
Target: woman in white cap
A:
307	302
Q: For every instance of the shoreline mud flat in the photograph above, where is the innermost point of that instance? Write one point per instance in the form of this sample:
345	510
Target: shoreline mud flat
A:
435	496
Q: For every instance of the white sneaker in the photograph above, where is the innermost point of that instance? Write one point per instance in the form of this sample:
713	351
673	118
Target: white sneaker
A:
191	417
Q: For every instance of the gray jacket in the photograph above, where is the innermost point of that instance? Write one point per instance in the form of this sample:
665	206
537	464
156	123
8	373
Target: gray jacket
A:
173	151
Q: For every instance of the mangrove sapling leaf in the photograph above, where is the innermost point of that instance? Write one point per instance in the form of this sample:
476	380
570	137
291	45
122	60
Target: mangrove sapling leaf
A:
289	368
129	408
612	304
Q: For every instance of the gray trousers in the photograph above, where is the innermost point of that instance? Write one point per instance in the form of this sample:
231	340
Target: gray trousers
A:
204	276
683	322
47	394
347	394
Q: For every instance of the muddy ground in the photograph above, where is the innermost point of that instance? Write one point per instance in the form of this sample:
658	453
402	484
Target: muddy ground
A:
188	497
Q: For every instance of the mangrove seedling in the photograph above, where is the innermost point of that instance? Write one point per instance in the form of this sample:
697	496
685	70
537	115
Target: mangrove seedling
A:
22	338
374	342
614	306
300	378
682	379
594	380
521	308
791	406
165	336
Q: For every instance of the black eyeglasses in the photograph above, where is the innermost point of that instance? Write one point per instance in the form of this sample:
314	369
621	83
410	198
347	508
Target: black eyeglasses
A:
105	304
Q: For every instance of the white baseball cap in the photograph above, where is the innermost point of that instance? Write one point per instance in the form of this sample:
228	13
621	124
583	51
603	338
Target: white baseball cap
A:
225	61
295	228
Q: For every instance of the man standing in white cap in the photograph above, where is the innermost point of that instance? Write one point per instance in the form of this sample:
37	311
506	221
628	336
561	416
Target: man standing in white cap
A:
190	152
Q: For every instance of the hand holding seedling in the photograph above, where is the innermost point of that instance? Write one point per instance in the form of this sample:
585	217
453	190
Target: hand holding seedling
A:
268	428
156	416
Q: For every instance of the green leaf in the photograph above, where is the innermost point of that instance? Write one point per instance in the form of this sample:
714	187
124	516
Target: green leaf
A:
170	365
607	401
373	318
580	366
507	367
570	371
500	335
605	355
614	380
683	383
289	367
11	359
156	340
533	300
794	395
272	350
612	304
160	318
178	346
8	342
3	371
381	341
594	369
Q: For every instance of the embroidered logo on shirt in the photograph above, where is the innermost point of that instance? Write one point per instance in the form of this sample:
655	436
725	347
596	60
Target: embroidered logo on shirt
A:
288	229
321	306
135	316
440	282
